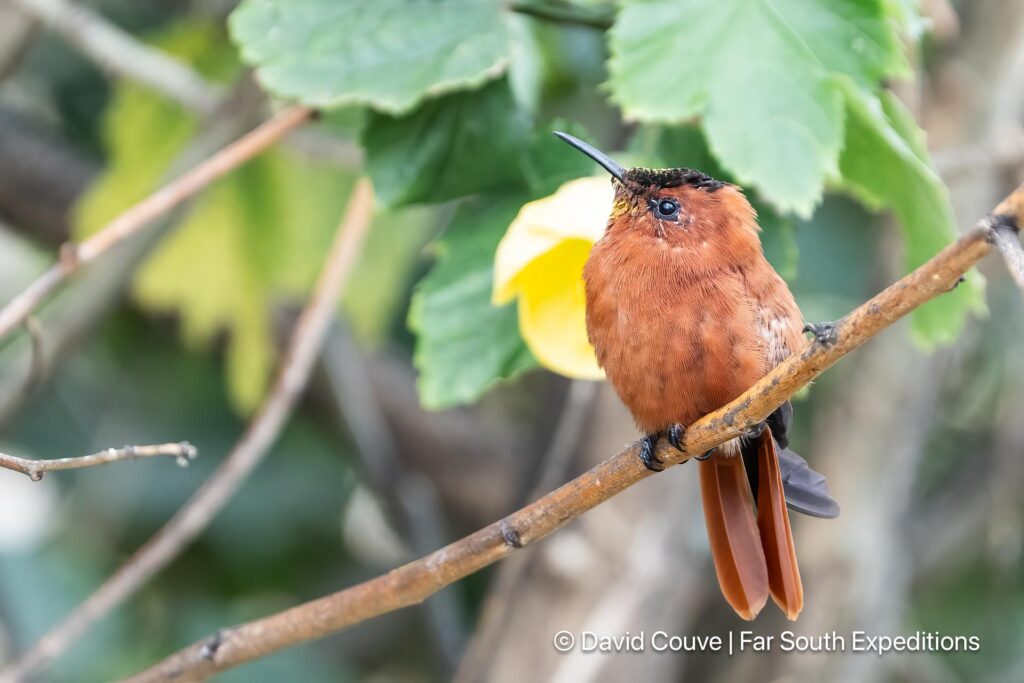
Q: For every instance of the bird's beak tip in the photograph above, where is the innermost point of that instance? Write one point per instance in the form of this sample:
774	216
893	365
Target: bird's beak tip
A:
597	155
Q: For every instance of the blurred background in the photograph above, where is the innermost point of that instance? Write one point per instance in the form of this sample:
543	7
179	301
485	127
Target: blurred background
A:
173	339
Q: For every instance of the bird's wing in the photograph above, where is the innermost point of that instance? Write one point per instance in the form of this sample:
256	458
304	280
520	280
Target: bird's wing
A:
806	490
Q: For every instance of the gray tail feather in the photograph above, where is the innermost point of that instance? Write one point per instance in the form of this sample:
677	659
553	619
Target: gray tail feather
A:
806	490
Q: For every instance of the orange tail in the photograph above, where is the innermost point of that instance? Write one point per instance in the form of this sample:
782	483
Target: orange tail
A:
733	533
776	536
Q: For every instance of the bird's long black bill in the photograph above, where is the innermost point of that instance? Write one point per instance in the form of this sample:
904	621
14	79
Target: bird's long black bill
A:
597	155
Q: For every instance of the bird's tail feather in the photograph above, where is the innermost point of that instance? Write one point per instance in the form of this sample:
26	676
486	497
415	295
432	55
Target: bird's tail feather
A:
776	536
733	534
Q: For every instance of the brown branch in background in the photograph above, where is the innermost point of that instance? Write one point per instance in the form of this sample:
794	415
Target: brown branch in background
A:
120	55
417	580
76	256
290	380
183	453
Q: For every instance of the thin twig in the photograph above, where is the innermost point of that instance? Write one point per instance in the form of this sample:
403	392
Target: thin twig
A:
75	256
292	377
183	452
120	55
37	366
417	580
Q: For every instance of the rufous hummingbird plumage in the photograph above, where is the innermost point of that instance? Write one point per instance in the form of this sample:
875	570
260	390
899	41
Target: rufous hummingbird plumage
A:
685	314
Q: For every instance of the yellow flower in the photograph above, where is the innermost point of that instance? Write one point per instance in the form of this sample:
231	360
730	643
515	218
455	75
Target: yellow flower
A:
540	261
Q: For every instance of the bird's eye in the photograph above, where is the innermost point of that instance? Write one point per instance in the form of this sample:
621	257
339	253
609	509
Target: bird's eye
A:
666	208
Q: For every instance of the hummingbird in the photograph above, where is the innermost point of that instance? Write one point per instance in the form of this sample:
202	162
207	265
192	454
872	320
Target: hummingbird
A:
685	313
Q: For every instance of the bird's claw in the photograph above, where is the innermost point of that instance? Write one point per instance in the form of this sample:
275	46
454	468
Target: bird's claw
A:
706	455
647	454
824	333
755	431
675	436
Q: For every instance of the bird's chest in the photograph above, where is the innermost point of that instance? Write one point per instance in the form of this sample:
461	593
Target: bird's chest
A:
675	344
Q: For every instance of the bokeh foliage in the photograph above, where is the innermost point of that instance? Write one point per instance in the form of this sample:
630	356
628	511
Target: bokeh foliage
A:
461	145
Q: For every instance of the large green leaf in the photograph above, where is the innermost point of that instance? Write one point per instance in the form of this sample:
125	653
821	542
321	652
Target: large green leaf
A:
449	147
464	344
884	165
763	74
387	54
464	144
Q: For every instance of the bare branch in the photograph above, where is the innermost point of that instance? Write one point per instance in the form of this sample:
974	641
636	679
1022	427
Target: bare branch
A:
292	376
121	55
417	580
74	257
183	452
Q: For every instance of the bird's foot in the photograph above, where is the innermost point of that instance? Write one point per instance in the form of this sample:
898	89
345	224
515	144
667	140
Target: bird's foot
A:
647	455
755	431
706	455
675	436
824	333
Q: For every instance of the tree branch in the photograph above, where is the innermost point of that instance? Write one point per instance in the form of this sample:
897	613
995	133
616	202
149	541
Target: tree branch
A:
415	581
183	452
118	54
75	256
292	377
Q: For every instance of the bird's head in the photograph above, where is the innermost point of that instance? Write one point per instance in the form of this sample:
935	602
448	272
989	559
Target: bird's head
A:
678	205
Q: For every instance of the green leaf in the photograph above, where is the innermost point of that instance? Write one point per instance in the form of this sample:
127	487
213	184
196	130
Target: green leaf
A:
883	169
464	344
907	15
386	54
762	74
674	147
450	147
252	239
465	144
